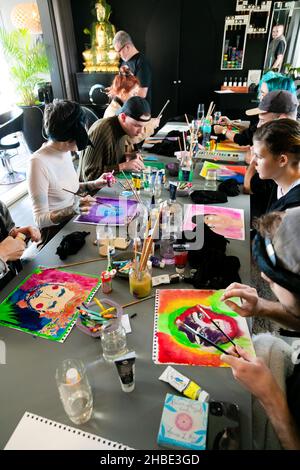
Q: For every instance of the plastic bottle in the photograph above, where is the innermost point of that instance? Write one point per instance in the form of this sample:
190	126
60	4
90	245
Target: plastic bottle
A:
206	134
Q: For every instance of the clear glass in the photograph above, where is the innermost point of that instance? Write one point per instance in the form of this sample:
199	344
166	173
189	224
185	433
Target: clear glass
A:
140	283
113	340
77	399
166	250
200	112
211	180
105	238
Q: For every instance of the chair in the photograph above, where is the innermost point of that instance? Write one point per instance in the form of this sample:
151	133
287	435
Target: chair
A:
10	123
90	116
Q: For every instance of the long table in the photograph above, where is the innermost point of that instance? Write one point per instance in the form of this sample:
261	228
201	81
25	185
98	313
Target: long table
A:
28	378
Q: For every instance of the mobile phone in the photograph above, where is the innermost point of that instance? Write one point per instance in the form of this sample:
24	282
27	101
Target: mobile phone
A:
223	426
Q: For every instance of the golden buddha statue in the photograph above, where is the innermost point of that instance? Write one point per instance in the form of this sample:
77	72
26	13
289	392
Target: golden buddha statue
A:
102	57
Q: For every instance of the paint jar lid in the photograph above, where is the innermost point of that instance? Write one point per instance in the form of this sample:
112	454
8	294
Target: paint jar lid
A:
72	376
106	276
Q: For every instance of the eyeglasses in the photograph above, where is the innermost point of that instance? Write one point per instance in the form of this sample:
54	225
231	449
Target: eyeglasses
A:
121	48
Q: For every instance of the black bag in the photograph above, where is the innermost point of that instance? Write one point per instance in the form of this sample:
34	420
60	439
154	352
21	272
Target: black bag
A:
208	197
71	244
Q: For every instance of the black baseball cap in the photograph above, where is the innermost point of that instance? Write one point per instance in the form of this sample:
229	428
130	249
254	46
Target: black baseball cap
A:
279	102
137	108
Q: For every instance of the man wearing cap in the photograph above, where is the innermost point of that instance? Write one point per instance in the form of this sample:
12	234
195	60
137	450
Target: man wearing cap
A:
276	249
134	61
274	105
109	136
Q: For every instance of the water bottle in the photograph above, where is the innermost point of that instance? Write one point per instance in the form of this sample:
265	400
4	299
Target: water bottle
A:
206	134
75	391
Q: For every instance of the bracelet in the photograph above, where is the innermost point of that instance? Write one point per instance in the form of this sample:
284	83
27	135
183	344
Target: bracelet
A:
224	131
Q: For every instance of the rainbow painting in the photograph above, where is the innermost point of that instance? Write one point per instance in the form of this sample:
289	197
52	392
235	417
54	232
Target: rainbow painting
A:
172	344
45	303
222	220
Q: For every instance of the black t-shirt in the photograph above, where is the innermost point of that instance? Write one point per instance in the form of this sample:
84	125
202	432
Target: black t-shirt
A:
280	49
140	68
246	136
264	198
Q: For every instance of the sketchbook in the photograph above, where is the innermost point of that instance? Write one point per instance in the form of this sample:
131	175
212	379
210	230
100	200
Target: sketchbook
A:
36	433
172	344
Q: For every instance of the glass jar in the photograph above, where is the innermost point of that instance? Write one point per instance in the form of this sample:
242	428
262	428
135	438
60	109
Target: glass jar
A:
140	283
75	391
113	340
211	180
166	249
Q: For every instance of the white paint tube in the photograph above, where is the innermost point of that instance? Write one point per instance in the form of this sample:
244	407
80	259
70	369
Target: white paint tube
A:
184	385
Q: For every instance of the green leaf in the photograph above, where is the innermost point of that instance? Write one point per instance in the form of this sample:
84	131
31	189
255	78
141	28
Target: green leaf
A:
27	61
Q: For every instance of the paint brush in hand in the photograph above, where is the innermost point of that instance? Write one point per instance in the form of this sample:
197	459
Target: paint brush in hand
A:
204	338
76	194
216	325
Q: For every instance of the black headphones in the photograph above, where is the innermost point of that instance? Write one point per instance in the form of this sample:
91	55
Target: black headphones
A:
265	261
102	91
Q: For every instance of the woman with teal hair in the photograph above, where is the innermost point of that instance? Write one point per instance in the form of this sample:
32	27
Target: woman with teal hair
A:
272	81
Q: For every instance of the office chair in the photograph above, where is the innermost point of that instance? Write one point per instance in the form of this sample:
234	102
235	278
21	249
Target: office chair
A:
90	116
10	123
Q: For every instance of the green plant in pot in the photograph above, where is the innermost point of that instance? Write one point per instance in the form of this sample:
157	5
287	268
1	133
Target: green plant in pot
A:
28	64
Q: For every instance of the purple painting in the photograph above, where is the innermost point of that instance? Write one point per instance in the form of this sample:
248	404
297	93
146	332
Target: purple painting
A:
110	211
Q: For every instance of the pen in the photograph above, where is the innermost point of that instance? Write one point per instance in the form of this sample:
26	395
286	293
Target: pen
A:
204	338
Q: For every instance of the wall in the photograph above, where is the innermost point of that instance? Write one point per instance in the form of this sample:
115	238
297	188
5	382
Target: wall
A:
201	38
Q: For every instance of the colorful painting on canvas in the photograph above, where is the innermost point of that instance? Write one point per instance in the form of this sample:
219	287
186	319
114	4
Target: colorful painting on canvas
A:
110	211
45	303
222	220
225	172
172	344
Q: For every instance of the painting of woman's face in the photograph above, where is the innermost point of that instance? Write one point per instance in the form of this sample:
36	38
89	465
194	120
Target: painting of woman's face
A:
50	298
193	318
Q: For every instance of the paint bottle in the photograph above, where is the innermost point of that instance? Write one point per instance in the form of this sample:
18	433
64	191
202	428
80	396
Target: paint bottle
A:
106	282
109	180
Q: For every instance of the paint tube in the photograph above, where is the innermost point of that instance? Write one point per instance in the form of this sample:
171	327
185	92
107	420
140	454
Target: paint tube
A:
126	370
184	385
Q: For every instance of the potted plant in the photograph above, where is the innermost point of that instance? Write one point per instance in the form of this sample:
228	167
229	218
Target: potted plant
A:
28	64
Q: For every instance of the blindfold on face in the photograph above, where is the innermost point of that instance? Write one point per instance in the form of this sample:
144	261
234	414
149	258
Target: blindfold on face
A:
73	129
276	273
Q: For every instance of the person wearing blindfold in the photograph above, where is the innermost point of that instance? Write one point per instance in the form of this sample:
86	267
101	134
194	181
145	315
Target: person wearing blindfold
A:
52	179
274	376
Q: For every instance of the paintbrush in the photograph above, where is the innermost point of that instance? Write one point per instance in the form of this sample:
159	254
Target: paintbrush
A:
138	301
204	338
75	194
216	325
160	114
62	266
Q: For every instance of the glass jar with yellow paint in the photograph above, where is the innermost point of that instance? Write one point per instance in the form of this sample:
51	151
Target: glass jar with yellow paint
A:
140	283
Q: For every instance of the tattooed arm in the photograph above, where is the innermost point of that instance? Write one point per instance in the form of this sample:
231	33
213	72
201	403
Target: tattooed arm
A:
95	185
79	207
